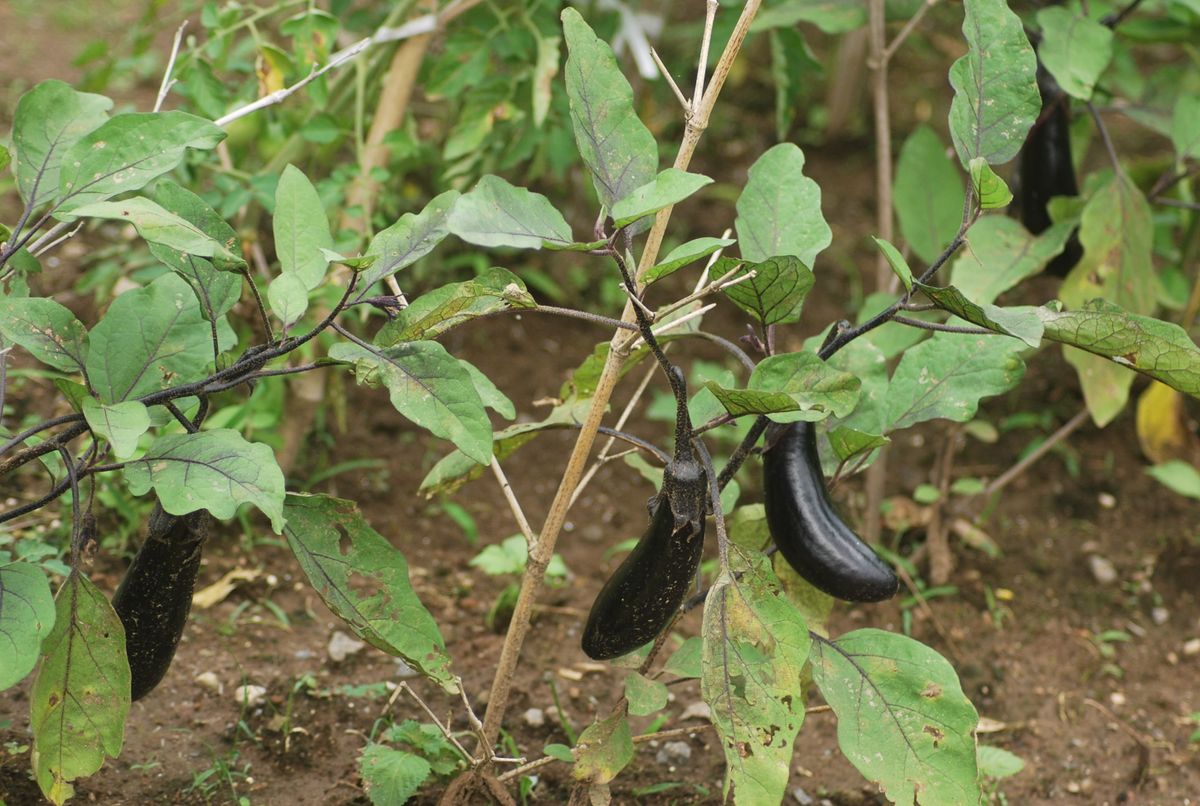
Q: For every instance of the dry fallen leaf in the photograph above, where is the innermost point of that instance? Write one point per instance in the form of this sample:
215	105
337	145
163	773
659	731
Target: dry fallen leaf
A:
216	592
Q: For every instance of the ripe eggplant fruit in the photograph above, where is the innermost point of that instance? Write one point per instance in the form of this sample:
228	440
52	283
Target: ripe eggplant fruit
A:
1045	170
155	596
807	529
642	596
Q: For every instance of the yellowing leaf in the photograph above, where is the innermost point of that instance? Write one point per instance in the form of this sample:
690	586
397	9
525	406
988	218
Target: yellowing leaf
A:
1162	424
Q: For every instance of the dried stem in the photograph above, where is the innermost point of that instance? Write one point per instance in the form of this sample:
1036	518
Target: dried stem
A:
167	81
1058	436
513	503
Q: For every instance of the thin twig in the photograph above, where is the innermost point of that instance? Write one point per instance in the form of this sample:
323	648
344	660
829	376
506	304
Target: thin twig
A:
444	729
167	81
662	69
941	328
883	137
710	16
1108	143
1186	205
1001	481
908	28
53	237
513	503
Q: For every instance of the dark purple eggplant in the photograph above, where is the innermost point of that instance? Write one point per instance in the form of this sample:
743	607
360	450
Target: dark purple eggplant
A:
155	596
809	533
642	596
1045	169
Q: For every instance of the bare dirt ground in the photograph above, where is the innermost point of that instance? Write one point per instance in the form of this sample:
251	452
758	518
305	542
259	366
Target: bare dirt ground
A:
1097	722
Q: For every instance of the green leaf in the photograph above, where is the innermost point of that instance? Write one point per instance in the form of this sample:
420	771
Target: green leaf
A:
217	470
49	119
1161	350
669	187
791	387
301	229
756	645
5	161
128	151
684	254
991	190
432	314
491	396
779	211
428	386
1024	323
158	226
776	293
603	749
1179	476
831	16
645	696
996	98
496	213
945	377
49	331
685	661
363	579
391	776
412	237
288	298
1117	235
1185	127
903	719
217	289
996	762
80	698
1075	49
560	752
1000	253
847	442
928	194
150	338
26	616
122	424
618	149
814	605
896	260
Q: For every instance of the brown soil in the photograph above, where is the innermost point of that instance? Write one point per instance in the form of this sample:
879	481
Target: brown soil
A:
1092	729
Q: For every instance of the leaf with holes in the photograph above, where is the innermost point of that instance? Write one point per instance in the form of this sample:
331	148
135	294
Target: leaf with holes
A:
996	98
49	119
80	698
776	293
428	386
364	580
779	211
217	470
49	331
26	616
903	719
127	152
755	648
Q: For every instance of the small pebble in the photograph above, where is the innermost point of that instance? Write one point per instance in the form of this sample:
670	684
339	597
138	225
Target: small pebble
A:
210	681
1107	500
534	717
304	654
1117	698
250	696
342	646
1191	647
1102	569
1159	615
697	710
674	753
802	797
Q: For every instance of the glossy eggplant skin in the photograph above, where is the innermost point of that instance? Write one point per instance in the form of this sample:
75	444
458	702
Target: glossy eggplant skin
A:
642	596
807	529
155	596
1046	169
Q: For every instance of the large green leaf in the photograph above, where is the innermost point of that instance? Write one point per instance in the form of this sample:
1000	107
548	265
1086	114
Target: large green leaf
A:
776	293
604	749
300	228
218	291
159	226
150	338
49	331
496	213
670	187
1075	49
903	719
831	16
364	580
390	776
1185	126
1001	253
412	237
428	386
433	313
128	151
946	376
1023	323
996	98
755	647
122	424
49	119
928	195
80	698
618	149
217	470
791	387
26	616
779	211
